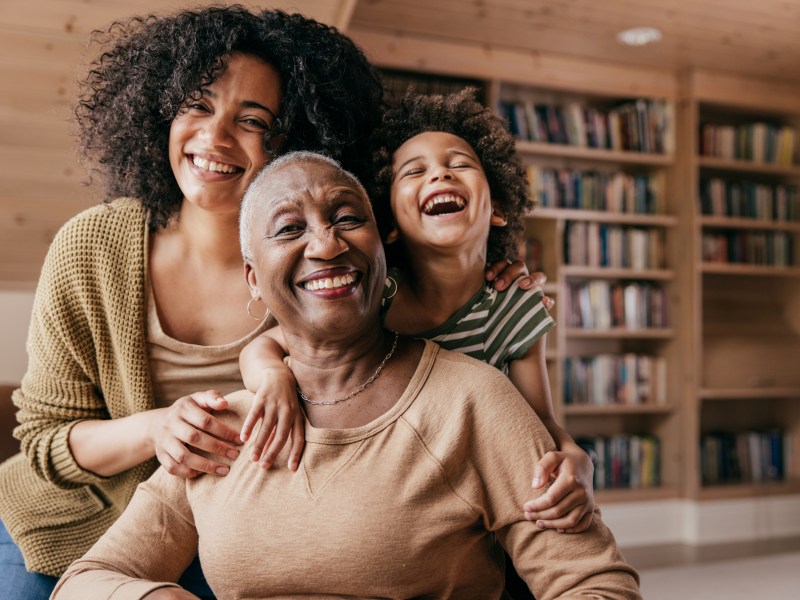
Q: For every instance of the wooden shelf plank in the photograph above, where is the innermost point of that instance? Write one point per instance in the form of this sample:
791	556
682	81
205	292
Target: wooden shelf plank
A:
747	166
603	216
635	495
754	393
616	409
599	154
757	270
713	221
746	490
581	272
620	333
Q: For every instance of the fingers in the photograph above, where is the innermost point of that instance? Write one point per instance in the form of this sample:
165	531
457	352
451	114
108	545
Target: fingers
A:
284	422
548	302
254	414
569	512
298	441
186	427
494	270
546	468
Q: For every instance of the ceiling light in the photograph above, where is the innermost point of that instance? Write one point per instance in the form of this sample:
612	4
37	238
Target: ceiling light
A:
639	36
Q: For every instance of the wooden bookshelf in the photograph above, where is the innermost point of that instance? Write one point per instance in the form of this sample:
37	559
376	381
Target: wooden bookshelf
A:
745	341
733	330
550	223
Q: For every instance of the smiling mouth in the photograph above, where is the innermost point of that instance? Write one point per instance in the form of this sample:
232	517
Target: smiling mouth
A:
329	283
443	204
214	167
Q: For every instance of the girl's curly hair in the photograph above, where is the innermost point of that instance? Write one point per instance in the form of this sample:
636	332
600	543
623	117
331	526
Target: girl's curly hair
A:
462	115
332	96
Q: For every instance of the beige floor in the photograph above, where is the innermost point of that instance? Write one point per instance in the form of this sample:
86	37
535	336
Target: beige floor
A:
735	571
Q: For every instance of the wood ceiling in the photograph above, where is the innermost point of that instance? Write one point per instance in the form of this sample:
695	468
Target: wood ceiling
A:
42	46
760	38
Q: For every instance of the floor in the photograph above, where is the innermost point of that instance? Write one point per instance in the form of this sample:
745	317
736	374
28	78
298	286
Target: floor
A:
735	571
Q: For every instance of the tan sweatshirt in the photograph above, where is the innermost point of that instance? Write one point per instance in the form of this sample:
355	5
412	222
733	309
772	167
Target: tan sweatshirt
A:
416	503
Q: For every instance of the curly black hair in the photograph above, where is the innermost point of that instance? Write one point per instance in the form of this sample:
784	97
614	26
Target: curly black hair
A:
462	115
332	97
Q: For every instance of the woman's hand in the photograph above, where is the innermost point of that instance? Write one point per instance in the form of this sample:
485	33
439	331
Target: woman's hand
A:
503	272
568	504
189	425
276	404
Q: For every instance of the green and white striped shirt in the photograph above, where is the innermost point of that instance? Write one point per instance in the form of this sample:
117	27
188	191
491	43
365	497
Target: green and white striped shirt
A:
494	327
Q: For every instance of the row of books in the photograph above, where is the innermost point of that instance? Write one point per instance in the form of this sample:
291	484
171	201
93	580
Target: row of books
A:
614	379
770	248
599	304
749	199
594	244
746	456
624	461
595	190
757	142
641	125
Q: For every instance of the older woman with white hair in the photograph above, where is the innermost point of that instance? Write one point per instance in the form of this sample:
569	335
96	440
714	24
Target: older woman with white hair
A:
416	458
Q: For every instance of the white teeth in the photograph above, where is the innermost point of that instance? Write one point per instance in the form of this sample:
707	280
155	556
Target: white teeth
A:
210	165
441	199
330	283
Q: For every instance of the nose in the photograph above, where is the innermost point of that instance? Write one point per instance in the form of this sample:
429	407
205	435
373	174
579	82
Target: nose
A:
325	244
216	132
440	172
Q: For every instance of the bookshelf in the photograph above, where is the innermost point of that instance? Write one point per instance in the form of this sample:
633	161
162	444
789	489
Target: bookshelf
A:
604	230
741	168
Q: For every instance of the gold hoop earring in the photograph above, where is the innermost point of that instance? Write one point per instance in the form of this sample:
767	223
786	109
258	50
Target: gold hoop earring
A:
250	313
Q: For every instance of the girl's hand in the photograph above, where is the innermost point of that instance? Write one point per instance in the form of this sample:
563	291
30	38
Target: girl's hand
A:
189	425
568	504
276	404
503	272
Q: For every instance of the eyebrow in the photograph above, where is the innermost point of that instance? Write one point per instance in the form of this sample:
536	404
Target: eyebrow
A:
243	103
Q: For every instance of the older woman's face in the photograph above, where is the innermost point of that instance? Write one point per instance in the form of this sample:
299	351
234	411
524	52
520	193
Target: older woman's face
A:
318	258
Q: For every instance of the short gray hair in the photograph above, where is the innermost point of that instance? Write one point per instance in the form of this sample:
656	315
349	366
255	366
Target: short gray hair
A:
254	194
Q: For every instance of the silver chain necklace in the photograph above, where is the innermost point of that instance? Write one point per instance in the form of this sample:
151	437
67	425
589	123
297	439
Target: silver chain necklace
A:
360	388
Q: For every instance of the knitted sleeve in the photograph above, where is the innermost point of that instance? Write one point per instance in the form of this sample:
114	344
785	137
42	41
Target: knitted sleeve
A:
68	379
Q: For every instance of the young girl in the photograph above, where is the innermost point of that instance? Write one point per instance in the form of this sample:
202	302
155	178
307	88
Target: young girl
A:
451	197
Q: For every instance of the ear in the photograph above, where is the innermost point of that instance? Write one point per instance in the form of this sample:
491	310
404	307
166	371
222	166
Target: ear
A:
497	219
250	278
393	236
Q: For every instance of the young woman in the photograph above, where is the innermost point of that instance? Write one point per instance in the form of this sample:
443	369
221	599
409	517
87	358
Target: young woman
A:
141	303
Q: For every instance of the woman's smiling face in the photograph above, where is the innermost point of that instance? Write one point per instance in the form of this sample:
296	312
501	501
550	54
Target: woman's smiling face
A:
316	251
216	143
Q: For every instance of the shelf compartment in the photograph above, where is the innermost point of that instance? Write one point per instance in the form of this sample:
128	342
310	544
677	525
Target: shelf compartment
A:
603	216
717	222
740	269
746	166
582	272
620	333
599	154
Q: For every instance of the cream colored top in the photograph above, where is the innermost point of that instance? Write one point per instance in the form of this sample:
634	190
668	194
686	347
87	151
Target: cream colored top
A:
179	369
416	503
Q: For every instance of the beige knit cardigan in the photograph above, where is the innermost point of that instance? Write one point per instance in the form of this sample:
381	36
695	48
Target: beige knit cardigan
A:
87	359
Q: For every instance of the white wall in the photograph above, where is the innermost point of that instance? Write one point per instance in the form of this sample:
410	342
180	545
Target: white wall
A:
708	522
15	315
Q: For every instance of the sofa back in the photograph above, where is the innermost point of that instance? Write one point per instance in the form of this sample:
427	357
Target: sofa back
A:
8	445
